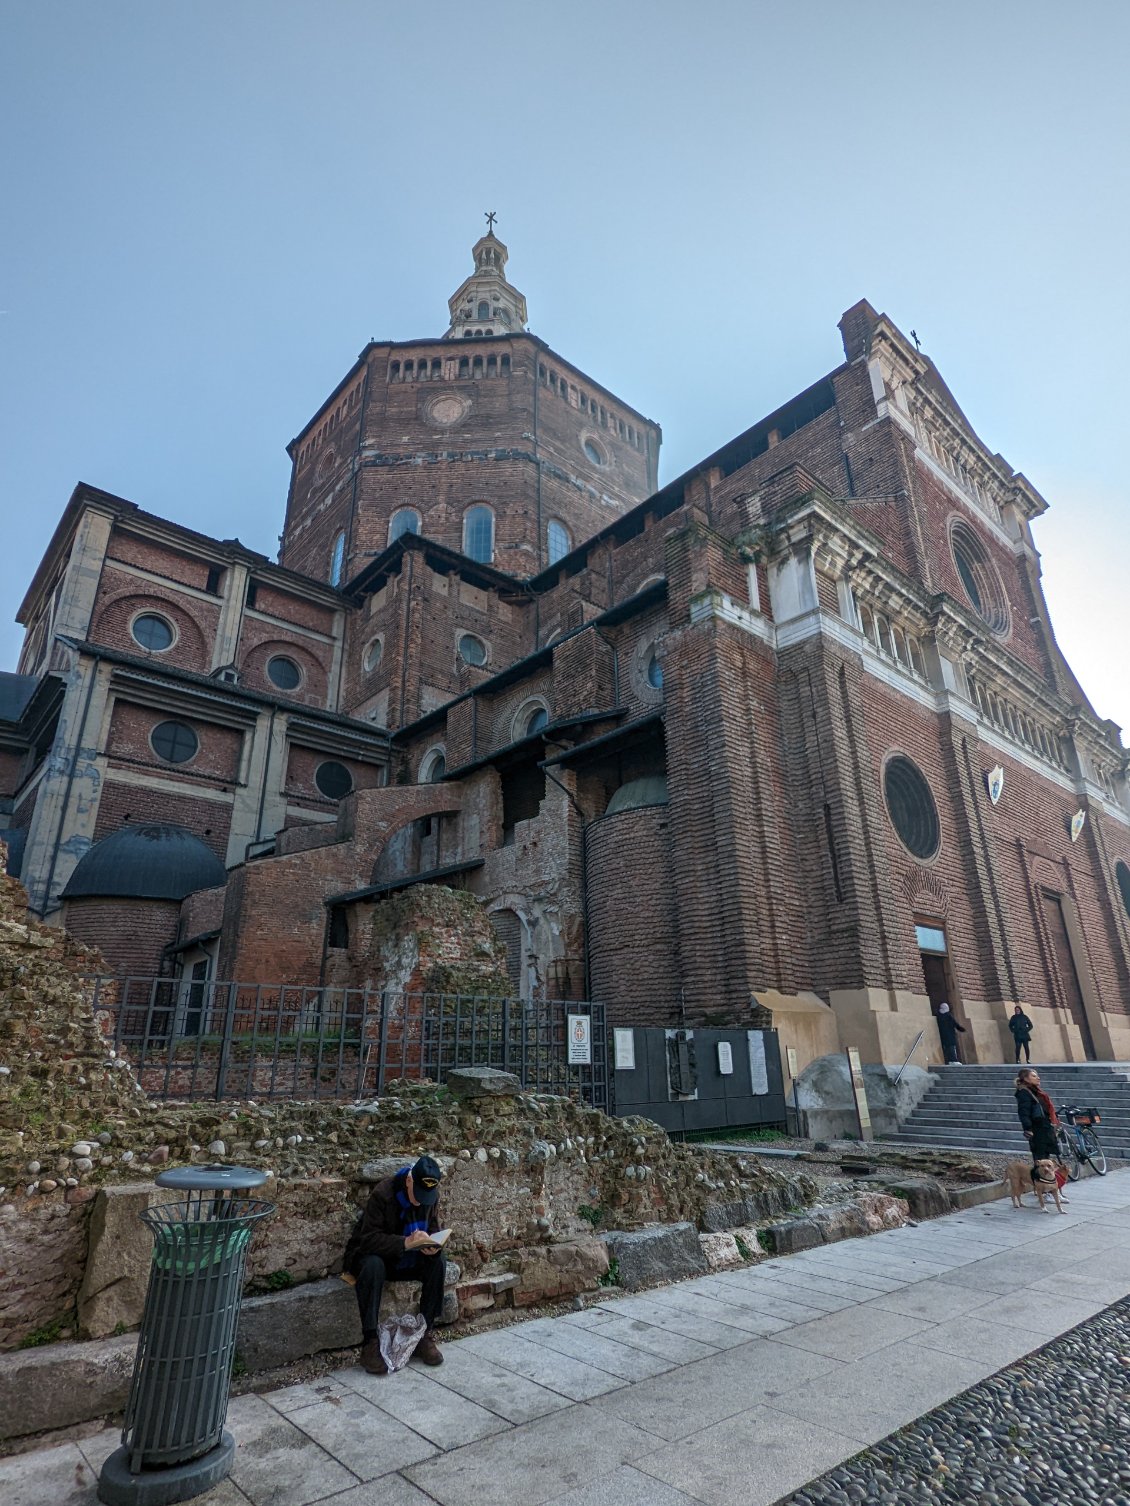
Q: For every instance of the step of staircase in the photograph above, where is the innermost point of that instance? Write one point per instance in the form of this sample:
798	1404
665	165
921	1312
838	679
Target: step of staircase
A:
974	1108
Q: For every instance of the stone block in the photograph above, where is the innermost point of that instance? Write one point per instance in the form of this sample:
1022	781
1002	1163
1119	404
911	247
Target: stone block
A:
719	1251
120	1252
547	1272
982	1192
739	1213
62	1384
794	1234
666	1252
286	1326
925	1196
482	1082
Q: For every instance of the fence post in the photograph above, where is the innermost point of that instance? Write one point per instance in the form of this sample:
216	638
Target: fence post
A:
506	1035
225	1046
382	1044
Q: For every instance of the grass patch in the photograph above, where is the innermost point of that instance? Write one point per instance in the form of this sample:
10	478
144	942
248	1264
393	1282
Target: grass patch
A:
50	1333
756	1135
594	1215
743	1249
765	1241
279	1281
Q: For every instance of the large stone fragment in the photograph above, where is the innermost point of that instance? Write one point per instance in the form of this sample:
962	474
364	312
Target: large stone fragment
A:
120	1252
62	1384
547	1272
925	1196
720	1251
286	1326
739	1213
794	1234
482	1082
666	1252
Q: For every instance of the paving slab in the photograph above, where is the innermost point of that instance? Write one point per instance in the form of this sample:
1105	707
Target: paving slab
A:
57	1475
437	1413
652	1339
1041	1316
759	1296
724	1313
389	1490
974	1337
683	1402
678	1320
594	1348
851	1334
500	1391
534	1463
769	1282
933	1301
557	1372
626	1486
275	1463
754	1457
96	1450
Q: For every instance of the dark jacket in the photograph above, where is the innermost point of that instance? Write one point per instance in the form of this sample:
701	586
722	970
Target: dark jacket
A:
378	1230
948	1028
1021	1027
1035	1122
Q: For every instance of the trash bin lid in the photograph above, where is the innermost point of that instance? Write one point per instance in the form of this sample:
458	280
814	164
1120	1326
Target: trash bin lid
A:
211	1178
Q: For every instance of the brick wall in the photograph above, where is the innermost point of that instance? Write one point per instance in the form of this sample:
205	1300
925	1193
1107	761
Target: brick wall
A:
633	935
121	598
131	934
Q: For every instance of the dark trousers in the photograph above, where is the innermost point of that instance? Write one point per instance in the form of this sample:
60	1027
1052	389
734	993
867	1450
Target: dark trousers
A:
372	1275
1026	1048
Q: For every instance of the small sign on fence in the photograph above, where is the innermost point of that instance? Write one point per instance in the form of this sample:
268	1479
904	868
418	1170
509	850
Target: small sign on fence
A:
725	1059
580	1040
624	1047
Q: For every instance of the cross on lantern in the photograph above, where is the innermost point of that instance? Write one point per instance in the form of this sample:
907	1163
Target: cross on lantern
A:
490	217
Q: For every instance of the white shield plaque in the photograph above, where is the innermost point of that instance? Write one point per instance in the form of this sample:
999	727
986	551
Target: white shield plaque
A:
995	781
1078	821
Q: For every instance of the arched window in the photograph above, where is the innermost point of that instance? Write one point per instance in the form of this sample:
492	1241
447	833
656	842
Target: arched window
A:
337	560
539	718
483	310
655	672
558	542
404	520
478	533
433	766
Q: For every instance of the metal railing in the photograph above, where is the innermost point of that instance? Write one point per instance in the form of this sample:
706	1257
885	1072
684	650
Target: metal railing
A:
191	1039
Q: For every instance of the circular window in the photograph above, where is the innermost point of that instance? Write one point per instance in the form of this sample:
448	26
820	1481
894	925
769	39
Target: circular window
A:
373	655
472	650
284	673
1122	874
333	779
152	632
593	452
175	742
655	673
979	578
911	806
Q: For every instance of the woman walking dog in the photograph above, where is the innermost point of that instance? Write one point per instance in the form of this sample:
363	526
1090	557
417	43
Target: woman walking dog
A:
1038	1119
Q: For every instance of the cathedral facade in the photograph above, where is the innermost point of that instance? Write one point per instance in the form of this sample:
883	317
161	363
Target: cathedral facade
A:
788	739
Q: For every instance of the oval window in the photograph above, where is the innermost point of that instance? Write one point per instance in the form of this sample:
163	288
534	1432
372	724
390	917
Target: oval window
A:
1122	874
333	779
911	806
538	718
373	655
472	650
593	452
175	742
152	632
655	673
979	577
284	673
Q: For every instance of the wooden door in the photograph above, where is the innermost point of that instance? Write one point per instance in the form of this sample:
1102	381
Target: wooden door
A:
1068	973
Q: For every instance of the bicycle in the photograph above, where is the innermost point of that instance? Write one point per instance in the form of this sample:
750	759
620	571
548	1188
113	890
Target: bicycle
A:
1078	1142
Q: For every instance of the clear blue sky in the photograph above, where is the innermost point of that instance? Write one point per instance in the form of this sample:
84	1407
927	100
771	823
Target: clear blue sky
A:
210	207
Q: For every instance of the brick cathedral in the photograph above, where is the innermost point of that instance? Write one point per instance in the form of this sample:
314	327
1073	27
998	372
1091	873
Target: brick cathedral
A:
788	738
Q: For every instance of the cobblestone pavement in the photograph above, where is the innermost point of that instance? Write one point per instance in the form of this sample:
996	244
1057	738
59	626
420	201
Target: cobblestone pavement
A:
736	1389
1053	1429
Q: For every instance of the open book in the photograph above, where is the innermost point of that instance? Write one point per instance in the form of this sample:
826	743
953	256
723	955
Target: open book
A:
439	1238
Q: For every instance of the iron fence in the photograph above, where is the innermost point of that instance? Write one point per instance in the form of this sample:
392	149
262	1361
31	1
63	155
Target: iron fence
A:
191	1038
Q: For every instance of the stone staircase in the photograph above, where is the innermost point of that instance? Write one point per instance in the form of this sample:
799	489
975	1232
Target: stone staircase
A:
974	1108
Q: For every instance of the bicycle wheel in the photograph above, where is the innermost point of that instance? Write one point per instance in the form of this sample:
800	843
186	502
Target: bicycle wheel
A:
1094	1151
1068	1152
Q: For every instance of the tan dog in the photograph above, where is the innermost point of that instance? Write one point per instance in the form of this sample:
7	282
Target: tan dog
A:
1041	1180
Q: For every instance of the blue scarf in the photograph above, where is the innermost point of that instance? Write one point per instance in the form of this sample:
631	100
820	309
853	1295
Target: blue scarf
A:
412	1218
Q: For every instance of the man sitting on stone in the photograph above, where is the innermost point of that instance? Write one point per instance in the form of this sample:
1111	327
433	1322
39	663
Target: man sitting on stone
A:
390	1241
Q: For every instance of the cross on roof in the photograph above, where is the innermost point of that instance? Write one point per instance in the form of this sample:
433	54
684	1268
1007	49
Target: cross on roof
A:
490	218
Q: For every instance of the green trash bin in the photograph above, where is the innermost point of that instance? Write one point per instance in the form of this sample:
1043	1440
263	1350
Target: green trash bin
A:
173	1441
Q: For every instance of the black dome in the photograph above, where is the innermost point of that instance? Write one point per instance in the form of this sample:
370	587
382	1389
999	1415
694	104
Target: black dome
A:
146	862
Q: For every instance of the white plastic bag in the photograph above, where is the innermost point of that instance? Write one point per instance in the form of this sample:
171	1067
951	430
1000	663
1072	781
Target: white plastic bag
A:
399	1337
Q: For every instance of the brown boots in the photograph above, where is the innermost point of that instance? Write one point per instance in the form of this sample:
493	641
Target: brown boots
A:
372	1359
428	1350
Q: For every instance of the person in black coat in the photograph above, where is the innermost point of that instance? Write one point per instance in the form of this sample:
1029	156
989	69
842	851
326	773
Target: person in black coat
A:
1021	1027
948	1029
1038	1117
